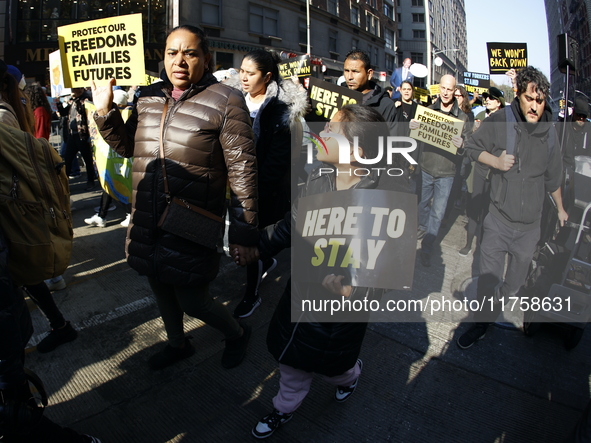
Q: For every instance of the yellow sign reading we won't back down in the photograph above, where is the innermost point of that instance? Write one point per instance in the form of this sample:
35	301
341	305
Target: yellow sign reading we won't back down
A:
98	50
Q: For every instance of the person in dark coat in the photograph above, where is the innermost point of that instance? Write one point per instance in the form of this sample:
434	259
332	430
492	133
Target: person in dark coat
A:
274	104
358	74
307	347
207	141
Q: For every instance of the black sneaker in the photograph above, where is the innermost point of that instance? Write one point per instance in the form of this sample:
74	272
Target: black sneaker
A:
90	186
472	335
57	337
425	259
248	305
270	423
236	349
170	355
465	250
344	392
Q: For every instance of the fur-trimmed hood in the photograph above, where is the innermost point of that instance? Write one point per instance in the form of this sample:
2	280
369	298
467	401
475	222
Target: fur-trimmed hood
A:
294	96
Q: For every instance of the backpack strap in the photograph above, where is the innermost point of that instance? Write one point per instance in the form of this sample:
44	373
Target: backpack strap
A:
511	120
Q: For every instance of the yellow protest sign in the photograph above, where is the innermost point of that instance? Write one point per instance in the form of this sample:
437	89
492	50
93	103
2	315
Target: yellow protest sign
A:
299	66
472	89
504	56
436	129
98	50
434	89
421	94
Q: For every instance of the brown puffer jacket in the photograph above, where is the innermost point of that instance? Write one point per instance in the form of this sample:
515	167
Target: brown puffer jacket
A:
207	140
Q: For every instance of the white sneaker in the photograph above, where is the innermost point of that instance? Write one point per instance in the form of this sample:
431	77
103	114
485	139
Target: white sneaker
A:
56	284
95	220
125	223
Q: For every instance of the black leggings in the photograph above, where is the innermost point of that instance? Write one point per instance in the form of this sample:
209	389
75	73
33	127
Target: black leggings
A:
42	297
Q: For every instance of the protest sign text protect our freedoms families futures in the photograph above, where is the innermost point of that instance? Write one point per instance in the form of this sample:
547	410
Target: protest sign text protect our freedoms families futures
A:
98	50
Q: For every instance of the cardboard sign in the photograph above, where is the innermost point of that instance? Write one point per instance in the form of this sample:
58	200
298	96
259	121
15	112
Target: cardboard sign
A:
327	98
114	171
434	89
476	82
504	56
421	94
98	50
299	66
56	75
436	129
367	235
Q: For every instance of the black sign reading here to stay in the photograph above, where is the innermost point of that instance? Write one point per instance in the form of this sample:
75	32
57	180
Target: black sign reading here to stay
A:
505	56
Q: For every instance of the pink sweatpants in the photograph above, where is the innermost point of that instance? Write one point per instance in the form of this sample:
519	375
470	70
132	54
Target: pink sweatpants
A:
294	385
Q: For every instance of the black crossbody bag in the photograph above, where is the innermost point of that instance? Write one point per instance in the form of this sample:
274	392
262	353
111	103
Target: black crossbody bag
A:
184	219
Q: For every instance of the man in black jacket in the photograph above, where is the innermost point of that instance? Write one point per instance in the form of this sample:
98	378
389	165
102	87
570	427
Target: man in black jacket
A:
358	74
523	166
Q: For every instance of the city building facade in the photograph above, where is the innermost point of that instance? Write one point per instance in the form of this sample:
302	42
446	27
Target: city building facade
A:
573	18
336	26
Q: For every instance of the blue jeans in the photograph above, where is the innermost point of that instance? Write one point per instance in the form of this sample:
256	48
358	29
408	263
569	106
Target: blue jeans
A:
430	215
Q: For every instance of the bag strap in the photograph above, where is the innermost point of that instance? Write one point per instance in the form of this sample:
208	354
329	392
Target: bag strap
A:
162	156
510	146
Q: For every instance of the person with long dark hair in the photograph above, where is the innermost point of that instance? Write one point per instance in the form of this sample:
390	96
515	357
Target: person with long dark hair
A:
310	345
273	104
41	110
204	131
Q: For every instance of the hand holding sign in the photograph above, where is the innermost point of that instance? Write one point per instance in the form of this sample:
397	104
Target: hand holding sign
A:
102	96
333	284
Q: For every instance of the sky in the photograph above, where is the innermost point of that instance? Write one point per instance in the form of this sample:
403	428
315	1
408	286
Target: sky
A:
499	21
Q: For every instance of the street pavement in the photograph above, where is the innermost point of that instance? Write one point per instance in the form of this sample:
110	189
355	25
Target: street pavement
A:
416	384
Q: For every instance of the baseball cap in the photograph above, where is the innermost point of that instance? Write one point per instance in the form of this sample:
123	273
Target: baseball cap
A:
495	94
14	71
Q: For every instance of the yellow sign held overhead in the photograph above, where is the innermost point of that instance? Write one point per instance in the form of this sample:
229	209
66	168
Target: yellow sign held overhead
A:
98	50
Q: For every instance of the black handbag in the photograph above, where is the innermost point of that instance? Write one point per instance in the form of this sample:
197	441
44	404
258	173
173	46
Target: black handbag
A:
184	219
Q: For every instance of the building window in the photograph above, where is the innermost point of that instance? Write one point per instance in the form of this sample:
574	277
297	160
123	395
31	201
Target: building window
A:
264	20
355	43
417	33
418	18
399	33
430	5
355	15
376	53
431	21
37	21
372	24
417	3
372	3
211	12
332	40
333	7
389	10
400	17
389	62
224	60
389	37
303	31
417	57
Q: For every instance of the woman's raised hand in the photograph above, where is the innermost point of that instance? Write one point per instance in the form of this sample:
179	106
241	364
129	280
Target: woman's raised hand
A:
102	96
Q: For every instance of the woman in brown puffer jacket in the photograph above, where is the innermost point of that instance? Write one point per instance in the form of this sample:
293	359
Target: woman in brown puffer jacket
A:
207	140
